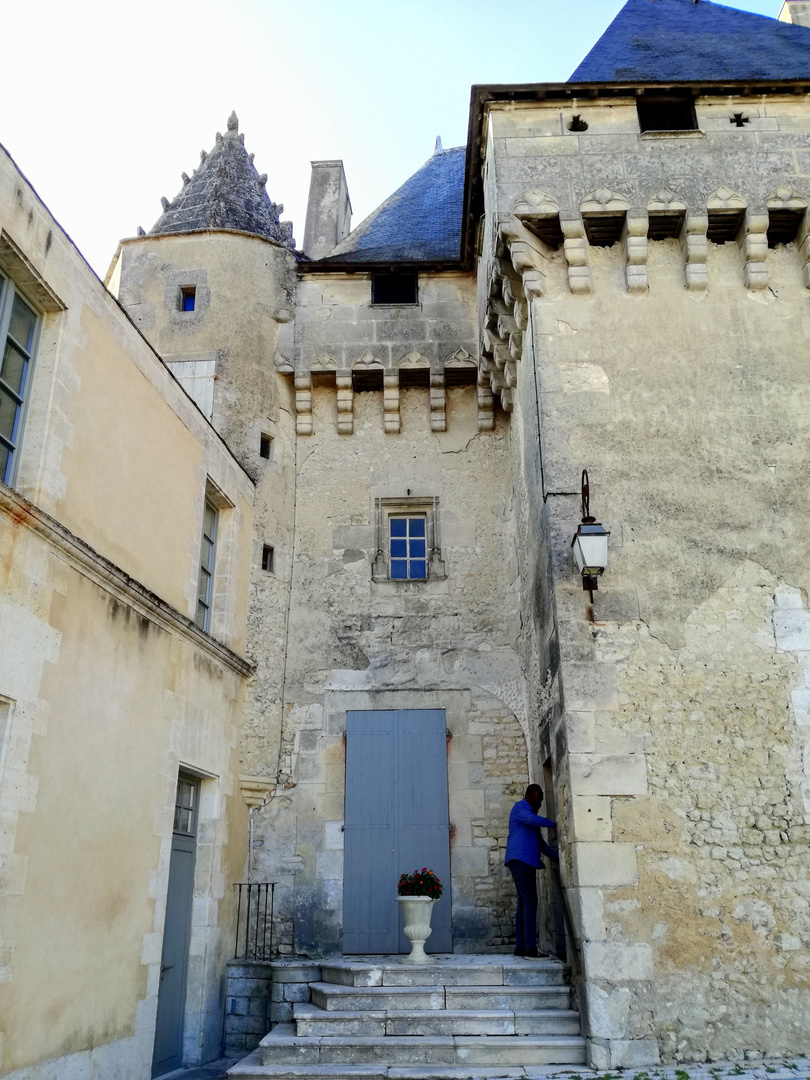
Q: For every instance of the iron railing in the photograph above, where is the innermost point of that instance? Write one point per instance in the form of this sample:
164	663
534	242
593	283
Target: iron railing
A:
254	920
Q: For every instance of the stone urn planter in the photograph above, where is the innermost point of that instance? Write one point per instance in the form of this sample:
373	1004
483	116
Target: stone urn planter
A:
416	913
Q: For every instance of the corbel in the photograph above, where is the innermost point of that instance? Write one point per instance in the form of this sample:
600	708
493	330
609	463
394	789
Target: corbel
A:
695	248
391	416
754	244
303	404
501	355
527	252
345	403
438	414
486	403
636	246
575	248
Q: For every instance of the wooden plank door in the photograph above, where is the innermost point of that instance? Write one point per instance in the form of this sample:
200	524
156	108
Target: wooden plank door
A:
396	821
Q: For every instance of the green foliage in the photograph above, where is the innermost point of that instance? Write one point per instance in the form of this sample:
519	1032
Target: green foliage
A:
420	883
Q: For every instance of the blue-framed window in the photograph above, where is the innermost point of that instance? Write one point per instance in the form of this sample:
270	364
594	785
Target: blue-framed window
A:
408	547
18	330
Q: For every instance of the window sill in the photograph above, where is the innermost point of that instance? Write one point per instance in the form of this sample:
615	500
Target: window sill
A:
671	134
433	586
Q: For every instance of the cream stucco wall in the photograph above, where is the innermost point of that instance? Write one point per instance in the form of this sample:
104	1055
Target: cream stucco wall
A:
106	686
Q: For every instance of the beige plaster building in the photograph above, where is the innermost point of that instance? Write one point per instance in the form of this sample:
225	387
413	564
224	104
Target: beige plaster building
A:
294	527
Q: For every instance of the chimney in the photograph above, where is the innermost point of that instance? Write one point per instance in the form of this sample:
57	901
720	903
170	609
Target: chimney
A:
796	12
329	212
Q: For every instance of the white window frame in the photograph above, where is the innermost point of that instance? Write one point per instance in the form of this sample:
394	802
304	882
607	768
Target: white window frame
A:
407	507
8	292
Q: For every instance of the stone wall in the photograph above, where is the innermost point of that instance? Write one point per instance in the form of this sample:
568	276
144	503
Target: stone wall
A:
359	641
673	371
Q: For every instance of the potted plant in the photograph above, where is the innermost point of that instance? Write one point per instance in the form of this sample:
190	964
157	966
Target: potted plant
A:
418	892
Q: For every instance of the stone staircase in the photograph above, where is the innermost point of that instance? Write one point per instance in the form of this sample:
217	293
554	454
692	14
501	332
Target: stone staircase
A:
462	1016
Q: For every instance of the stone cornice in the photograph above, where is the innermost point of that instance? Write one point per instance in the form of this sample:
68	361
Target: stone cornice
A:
115	580
485	95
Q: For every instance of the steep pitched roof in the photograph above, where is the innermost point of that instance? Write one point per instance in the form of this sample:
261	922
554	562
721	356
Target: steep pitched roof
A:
225	192
420	222
693	40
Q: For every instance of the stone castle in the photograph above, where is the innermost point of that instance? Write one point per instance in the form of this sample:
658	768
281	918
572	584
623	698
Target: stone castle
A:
289	596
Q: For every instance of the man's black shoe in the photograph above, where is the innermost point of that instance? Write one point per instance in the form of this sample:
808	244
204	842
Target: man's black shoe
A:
531	953
520	952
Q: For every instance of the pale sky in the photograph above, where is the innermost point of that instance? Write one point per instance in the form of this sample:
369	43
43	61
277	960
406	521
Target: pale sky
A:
105	104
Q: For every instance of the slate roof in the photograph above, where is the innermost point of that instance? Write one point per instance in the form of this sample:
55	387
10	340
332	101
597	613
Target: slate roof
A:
420	222
225	192
685	41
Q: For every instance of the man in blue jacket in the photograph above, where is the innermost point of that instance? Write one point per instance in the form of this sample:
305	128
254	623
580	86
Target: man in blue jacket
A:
523	859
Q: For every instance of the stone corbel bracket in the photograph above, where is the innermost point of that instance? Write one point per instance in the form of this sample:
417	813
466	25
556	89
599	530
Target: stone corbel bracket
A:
575	249
754	246
303	403
695	248
636	246
518	275
255	790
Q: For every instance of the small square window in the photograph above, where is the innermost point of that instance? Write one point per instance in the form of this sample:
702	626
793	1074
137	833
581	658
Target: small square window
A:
188	297
667	113
394	288
268	558
266	447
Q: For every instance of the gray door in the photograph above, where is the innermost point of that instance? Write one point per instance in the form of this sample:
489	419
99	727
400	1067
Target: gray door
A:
396	822
168	1054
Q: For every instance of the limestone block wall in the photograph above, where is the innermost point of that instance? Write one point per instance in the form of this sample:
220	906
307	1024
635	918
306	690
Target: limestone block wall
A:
342	340
680	747
357	641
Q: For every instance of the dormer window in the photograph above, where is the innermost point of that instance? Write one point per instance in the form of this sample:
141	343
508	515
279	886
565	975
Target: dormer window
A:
400	288
667	112
188	297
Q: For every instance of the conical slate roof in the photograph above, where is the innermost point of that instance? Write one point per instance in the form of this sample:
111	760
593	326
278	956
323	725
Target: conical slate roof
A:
225	192
420	222
693	41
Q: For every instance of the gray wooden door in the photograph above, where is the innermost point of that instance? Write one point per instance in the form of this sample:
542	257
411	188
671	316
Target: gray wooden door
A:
396	821
168	1052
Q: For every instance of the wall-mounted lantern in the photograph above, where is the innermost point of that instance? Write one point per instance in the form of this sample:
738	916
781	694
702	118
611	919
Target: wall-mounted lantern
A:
590	543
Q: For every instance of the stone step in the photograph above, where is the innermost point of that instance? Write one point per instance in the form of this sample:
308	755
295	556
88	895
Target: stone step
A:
251	1068
283	1047
333	997
447	972
310	1021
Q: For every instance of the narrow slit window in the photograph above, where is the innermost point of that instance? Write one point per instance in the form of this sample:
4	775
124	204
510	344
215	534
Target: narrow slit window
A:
268	558
266	447
205	586
188	297
18	332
